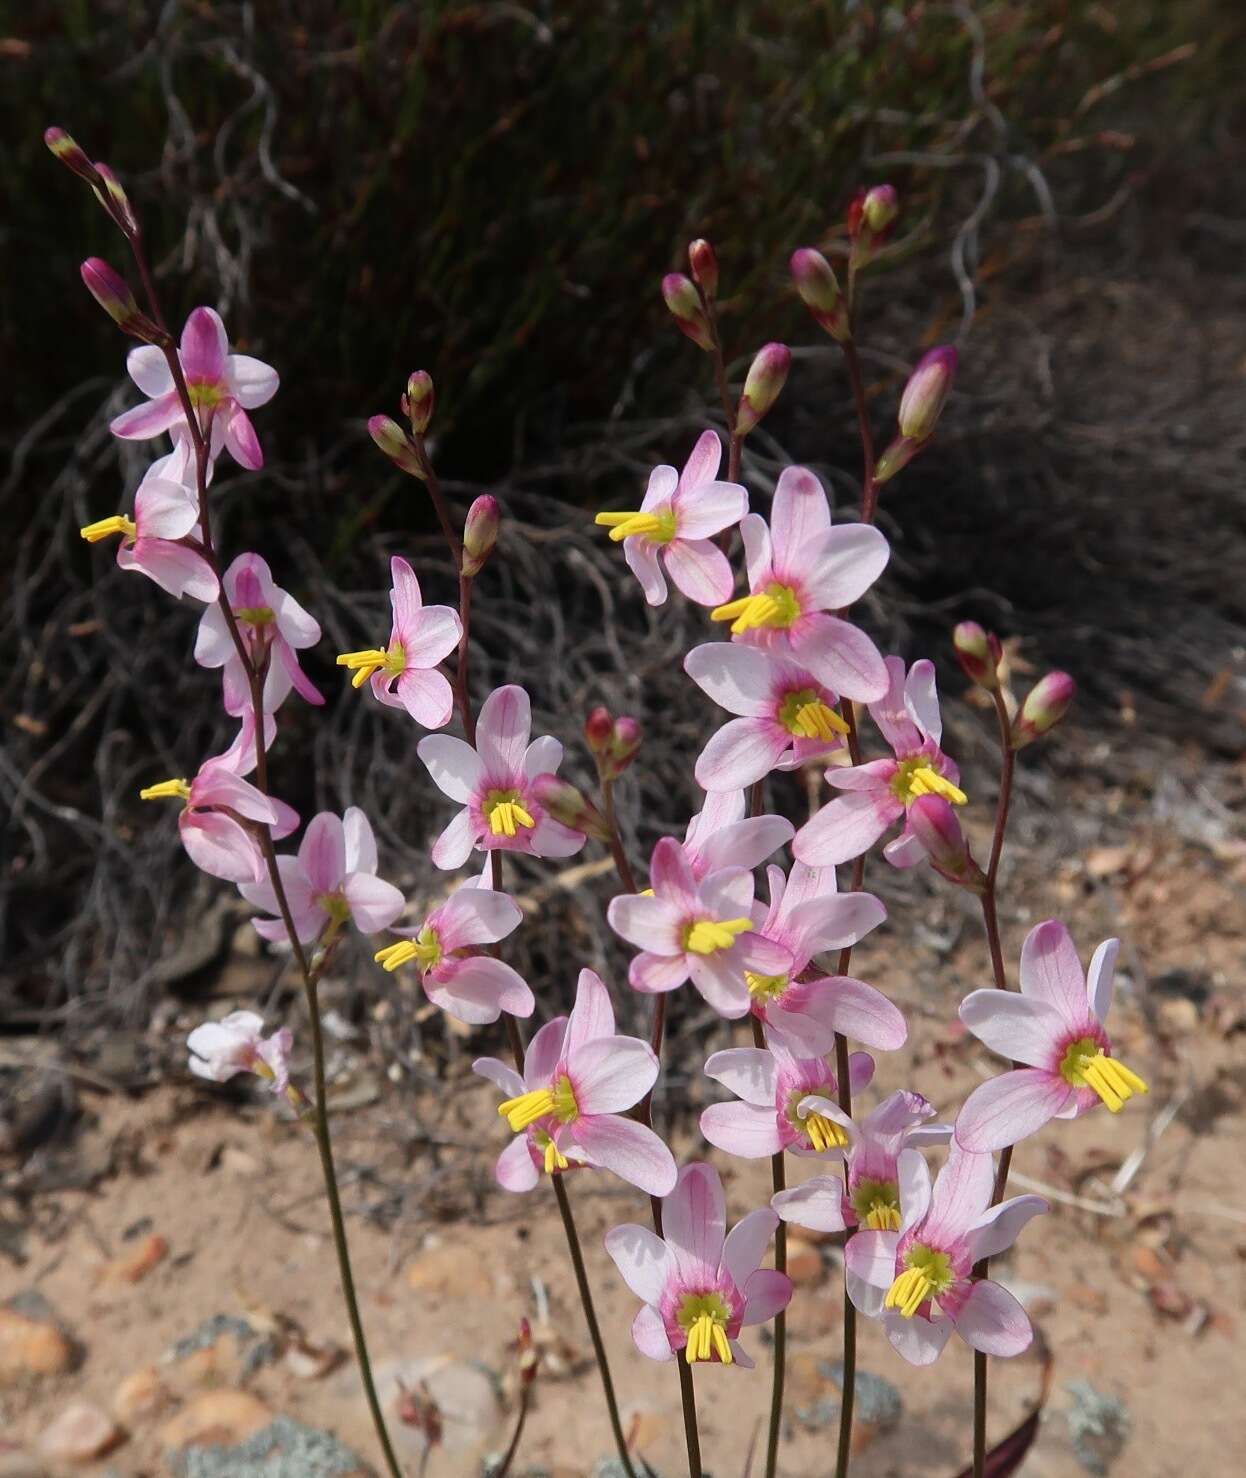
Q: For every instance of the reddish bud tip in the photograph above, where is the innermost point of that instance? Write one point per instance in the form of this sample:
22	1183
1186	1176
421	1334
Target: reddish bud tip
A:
396	445
927	390
70	155
820	292
704	265
419	400
684	302
934	823
979	653
111	291
871	217
598	727
565	803
625	741
765	379
480	533
1045	705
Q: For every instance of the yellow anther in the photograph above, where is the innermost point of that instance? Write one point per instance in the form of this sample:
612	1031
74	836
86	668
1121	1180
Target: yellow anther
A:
722	1346
554	1158
394	955
506	814
1086	1065
658	528
527	1108
374	660
708	936
255	615
927	1274
105	527
925	781
765	987
817	721
776	606
883	1217
824	1134
166	790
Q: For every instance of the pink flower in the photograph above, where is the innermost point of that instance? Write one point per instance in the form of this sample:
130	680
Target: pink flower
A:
787	717
700	1284
801	1005
699	929
213	825
223	388
405	674
1055	1027
678	518
721	835
919	1279
273	627
332	879
798	571
219	1050
871	1195
166	510
774	1088
466	983
880	792
493	783
568	1108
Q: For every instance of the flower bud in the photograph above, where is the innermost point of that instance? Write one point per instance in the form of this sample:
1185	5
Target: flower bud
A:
933	821
480	534
565	803
115	201
871	217
766	377
820	292
625	740
418	402
1045	705
897	456
979	653
598	731
684	303
925	393
880	207
112	293
70	154
704	265
396	445
529	1355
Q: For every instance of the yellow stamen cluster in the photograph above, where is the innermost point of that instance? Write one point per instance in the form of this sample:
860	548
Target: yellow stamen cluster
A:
708	936
365	664
805	716
255	615
506	813
538	1103
882	1216
657	528
877	1204
765	987
166	790
927	1274
775	607
704	1316
425	950
554	1157
917	777
824	1134
105	527
1086	1065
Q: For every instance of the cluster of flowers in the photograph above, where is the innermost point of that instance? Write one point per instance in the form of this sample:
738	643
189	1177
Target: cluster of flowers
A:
793	674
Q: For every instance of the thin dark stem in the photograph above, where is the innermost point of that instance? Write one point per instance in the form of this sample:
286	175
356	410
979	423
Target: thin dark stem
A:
590	1315
869	492
462	688
778	1180
525	1397
621	865
735	441
433	483
688	1398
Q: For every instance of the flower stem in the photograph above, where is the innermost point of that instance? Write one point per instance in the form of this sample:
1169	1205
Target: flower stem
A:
525	1398
688	1396
594	1331
779	1182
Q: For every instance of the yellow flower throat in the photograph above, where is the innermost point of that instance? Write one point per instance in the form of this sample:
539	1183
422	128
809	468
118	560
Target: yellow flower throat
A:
708	936
805	716
1086	1065
927	1274
917	776
776	608
505	812
704	1316
392	662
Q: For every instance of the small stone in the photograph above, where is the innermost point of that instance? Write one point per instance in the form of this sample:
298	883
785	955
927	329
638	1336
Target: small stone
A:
804	1264
80	1434
133	1266
216	1419
308	1361
32	1344
1099	1426
140	1396
451	1271
281	1449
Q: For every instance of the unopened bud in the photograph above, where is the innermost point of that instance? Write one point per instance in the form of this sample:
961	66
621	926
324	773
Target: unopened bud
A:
568	805
820	292
625	740
115	201
897	456
70	154
927	390
396	445
111	291
880	207
704	265
933	821
871	217
417	403
529	1355
1045	705
598	729
480	533
979	653
684	302
765	379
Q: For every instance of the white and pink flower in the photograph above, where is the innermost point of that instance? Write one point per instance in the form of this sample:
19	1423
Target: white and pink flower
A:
493	784
721	835
568	1107
220	1050
799	570
879	793
919	1280
405	673
675	527
223	388
700	1284
1055	1028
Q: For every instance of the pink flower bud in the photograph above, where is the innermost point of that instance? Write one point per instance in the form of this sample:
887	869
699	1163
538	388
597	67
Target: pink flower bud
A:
925	393
480	533
598	729
70	154
979	654
1045	705
871	217
625	740
396	445
704	265
820	292
112	293
566	804
419	400
115	201
880	207
766	377
897	456
684	303
932	820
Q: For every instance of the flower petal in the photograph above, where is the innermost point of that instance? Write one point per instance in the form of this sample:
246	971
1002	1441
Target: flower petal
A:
322	853
643	1259
478	989
742	752
817	1204
627	1149
991	1320
427	697
374	903
515	1169
500	1074
454	846
891	715
610	1074
655	974
431	636
844	564
962	1192
251	382
649	1335
999	1226
694	1219
870	1259
476	916
703	462
840	655
844	828
592	1016
736	677
544	1053
748	1072
642	560
149	419
1017	1027
745	1244
502	732
742	1129
219	846
700	569
918	1340
799	517
204	346
1006	1109
767	1293
648	923
455	766
921	699
1099	978
1051	971
149	370
713	506
238	436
